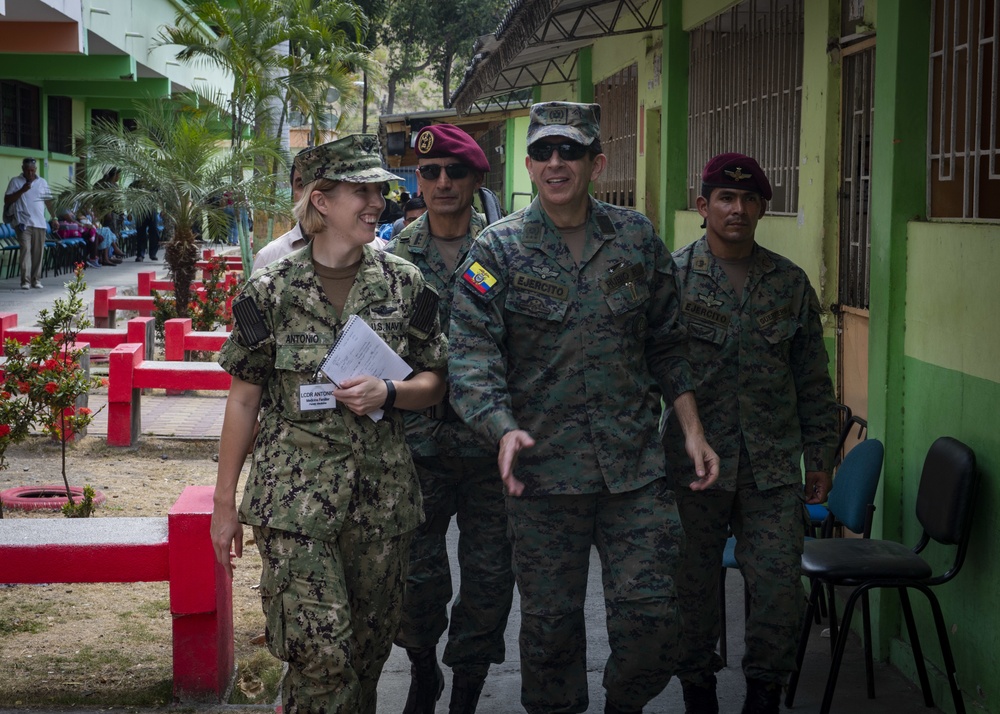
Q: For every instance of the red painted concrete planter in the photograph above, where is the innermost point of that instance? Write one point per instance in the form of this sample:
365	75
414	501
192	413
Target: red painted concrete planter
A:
53	497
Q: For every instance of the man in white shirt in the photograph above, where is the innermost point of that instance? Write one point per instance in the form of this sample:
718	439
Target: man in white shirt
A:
288	242
31	196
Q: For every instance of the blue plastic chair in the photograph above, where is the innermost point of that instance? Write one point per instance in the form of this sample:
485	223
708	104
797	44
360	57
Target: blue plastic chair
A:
851	504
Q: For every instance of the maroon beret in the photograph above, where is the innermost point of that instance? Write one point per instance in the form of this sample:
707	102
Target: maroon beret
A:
737	171
439	140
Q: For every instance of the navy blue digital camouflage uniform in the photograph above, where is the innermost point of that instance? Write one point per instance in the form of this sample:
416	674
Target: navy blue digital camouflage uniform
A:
458	477
766	402
579	356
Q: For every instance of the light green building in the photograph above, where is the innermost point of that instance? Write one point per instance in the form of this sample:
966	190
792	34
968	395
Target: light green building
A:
878	122
64	63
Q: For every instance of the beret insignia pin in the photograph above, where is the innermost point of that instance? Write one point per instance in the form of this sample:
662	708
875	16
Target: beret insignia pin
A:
426	142
738	174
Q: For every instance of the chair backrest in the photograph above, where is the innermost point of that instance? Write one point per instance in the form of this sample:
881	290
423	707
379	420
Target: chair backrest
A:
855	484
946	492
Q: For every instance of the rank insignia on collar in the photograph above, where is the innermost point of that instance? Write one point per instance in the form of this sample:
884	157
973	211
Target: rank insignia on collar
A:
479	278
738	174
700	263
709	300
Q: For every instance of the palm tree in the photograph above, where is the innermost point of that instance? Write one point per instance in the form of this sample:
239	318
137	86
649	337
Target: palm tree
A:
177	160
284	52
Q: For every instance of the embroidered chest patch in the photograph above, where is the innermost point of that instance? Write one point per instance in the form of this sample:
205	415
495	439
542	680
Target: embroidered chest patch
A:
479	278
621	276
775	315
697	311
548	288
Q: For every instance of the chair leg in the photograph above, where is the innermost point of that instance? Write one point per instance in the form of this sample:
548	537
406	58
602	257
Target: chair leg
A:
800	652
866	617
918	653
834	628
723	650
838	653
946	654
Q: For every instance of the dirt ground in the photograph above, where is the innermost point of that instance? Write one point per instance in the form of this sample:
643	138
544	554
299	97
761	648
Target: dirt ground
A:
110	644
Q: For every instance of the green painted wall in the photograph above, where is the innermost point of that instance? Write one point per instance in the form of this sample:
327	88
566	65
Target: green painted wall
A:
517	175
946	402
952	388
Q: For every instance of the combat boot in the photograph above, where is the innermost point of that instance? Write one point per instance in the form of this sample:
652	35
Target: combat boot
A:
465	691
700	697
426	681
762	697
610	708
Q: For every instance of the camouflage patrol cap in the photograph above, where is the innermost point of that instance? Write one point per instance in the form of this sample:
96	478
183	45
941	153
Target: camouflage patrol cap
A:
737	171
578	122
356	158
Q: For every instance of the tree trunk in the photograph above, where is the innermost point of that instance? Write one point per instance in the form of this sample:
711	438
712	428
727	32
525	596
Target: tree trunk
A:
446	87
181	255
390	99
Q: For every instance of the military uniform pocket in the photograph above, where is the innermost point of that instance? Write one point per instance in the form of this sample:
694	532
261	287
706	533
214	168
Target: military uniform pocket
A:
541	308
274	579
294	367
706	333
628	297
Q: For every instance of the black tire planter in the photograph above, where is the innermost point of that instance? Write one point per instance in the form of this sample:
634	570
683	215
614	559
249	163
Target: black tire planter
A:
53	497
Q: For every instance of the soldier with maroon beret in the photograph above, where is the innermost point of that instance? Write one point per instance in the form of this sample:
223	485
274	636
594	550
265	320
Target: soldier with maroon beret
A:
457	471
767	404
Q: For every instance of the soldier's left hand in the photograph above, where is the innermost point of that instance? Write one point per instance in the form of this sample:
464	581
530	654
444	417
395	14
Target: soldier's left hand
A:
361	394
706	461
817	487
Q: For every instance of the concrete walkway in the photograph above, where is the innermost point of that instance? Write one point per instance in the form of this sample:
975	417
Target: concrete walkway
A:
184	417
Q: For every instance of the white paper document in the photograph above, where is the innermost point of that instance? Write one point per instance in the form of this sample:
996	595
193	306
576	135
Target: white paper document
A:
360	351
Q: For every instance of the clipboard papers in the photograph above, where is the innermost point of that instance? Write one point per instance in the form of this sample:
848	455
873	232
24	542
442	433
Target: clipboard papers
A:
360	351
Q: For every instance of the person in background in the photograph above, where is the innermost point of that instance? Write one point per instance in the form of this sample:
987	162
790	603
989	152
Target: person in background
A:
332	495
767	403
287	242
412	210
458	473
29	195
564	337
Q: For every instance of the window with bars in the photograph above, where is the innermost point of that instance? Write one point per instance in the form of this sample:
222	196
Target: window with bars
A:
964	124
20	115
618	96
61	125
745	93
493	137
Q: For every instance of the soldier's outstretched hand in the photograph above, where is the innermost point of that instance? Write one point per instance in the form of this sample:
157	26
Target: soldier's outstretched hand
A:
511	444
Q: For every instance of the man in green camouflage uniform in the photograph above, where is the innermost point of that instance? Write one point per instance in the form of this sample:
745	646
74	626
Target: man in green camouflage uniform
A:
767	401
332	496
564	336
457	470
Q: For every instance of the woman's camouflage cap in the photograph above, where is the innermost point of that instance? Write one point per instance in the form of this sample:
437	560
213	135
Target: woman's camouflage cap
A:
356	158
578	122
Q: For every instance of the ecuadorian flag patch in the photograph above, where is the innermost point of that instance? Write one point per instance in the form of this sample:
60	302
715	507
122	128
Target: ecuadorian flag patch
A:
479	278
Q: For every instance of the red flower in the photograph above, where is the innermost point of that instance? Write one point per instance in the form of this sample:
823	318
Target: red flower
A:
5	394
85	410
23	387
104	381
4	429
51	387
51	364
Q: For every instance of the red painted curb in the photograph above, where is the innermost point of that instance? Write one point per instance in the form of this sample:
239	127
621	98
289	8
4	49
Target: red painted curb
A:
51	497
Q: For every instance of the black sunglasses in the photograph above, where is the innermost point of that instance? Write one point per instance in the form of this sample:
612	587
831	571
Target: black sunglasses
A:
453	171
570	151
